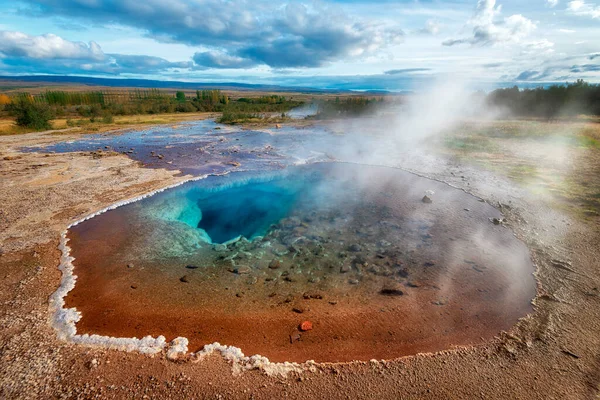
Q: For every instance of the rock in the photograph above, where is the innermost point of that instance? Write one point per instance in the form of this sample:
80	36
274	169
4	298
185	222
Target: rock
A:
344	269
403	273
219	247
383	243
427	200
359	260
243	270
191	266
355	247
184	279
315	296
429	263
130	265
160	156
92	364
353	281
233	163
11	158
497	221
306	326
298	310
294	337
274	264
133	286
391	292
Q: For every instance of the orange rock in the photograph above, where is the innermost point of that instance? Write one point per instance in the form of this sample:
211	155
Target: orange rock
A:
306	326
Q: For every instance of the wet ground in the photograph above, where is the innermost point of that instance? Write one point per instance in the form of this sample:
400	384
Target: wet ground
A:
354	250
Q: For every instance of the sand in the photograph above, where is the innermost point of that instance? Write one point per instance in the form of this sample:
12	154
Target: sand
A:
552	353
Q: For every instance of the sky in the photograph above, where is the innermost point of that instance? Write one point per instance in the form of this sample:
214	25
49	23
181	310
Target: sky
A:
340	44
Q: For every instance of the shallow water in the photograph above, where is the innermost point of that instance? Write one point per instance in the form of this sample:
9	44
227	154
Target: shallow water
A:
205	147
351	248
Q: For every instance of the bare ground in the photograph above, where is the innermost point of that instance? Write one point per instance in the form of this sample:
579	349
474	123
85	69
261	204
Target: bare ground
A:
552	353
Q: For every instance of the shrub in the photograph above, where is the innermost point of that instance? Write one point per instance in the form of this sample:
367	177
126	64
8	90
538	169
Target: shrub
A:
108	118
31	115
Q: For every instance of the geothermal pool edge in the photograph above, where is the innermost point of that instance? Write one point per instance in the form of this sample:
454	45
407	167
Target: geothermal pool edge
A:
63	319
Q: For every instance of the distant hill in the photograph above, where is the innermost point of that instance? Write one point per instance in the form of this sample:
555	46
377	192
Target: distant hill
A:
41	80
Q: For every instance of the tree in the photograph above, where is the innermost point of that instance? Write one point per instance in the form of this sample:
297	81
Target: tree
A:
180	96
31	115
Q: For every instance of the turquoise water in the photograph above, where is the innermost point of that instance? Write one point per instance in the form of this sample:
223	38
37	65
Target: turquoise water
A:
223	208
247	209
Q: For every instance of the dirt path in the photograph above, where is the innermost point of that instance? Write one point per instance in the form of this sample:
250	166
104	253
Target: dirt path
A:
553	353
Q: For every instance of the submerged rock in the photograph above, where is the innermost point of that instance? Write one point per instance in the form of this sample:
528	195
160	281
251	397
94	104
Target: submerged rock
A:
355	247
391	292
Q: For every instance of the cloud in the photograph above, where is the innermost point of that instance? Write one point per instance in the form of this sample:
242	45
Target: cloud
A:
217	59
405	71
432	27
52	54
490	29
552	3
240	34
48	46
583	9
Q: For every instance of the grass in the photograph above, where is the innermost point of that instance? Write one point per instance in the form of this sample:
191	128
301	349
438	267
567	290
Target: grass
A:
233	118
83	125
556	161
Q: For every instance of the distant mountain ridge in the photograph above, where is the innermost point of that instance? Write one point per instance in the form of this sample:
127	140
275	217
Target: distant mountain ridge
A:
149	83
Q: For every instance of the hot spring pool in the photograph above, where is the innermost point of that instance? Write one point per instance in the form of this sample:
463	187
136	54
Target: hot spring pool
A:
244	258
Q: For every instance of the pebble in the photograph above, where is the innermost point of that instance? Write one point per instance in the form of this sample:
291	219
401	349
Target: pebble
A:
391	292
129	265
353	281
274	264
355	247
184	279
306	326
427	200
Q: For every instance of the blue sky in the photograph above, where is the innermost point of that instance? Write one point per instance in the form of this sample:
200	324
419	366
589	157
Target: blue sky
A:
355	44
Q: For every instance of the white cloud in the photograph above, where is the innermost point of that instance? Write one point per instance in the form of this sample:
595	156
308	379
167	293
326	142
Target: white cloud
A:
552	3
47	46
583	9
432	27
489	28
50	53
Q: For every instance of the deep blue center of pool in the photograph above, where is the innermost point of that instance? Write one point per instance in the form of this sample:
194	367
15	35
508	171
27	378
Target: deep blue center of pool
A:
248	210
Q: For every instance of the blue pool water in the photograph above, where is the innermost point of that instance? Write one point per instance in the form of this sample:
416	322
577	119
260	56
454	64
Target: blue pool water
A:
243	210
225	207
